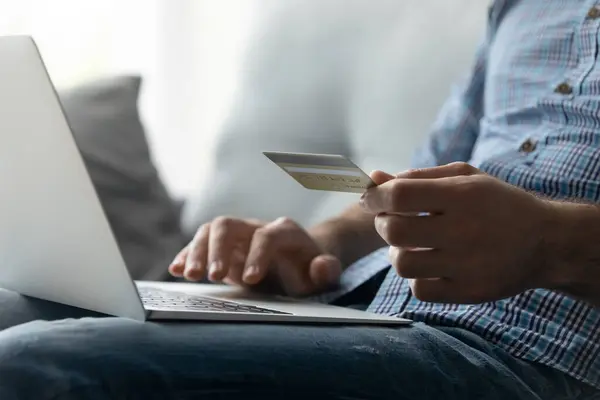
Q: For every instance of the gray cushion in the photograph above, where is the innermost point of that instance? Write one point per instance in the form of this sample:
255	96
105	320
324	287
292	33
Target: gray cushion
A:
106	124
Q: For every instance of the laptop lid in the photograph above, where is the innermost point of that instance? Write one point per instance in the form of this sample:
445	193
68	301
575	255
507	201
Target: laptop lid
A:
55	241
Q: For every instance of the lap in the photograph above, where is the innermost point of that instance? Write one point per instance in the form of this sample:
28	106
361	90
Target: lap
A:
111	358
16	309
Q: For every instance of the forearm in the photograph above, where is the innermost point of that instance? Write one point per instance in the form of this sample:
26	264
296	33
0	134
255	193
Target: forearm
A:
349	236
572	243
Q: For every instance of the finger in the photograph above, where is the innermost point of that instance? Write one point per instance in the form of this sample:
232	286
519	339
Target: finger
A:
325	271
422	263
319	274
263	248
399	196
379	177
195	263
276	237
224	232
442	171
414	231
440	291
235	270
177	266
408	196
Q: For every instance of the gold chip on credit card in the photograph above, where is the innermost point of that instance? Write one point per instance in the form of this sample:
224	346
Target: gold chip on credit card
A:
329	172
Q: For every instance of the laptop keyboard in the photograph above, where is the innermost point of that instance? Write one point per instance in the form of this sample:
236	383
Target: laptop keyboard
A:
168	300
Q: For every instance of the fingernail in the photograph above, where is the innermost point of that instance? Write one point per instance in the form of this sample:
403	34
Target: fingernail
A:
215	268
251	271
195	265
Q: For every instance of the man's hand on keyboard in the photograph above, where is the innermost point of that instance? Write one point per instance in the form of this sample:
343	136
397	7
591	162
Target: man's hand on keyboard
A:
279	255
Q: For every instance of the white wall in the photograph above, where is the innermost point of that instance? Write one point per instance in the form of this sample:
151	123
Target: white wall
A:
199	48
187	50
191	52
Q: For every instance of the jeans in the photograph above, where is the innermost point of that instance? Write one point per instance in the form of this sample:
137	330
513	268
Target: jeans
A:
49	351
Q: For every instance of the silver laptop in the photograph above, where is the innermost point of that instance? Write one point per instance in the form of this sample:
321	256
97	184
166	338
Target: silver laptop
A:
55	242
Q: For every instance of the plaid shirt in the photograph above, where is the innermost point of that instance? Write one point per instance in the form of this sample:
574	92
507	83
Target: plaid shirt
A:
529	114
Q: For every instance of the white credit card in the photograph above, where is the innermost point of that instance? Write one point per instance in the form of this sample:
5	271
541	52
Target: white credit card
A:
327	172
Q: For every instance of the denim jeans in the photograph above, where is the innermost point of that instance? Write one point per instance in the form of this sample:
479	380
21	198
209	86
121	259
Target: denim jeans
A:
50	351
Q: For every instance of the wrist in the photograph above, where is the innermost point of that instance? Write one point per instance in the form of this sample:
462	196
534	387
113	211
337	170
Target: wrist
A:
327	236
570	244
348	237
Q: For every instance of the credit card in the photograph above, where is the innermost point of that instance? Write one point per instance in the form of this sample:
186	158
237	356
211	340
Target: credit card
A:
329	172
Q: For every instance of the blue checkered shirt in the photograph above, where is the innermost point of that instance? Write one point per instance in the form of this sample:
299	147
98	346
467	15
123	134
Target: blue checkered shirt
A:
528	114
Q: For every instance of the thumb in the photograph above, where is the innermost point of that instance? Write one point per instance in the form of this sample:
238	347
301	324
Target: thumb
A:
379	177
325	271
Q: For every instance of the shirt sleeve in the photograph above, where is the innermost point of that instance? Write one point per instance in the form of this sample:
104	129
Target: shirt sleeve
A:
456	127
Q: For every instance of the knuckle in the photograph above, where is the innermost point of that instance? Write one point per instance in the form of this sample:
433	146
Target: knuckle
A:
285	222
411	173
395	256
398	193
396	229
204	229
255	222
392	229
200	233
402	264
420	290
481	179
265	234
467	185
462	168
224	221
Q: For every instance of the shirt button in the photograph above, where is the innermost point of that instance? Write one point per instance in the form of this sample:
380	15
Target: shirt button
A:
593	13
564	88
527	146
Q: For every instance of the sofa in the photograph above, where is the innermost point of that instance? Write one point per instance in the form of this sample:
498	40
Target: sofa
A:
366	82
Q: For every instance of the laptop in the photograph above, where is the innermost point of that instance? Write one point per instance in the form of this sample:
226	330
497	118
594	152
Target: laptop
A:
56	243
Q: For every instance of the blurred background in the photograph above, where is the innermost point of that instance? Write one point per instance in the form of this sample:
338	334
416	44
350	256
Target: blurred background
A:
188	52
181	96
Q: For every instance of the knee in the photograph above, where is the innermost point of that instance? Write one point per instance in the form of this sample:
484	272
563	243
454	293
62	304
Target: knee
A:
51	360
14	309
32	362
